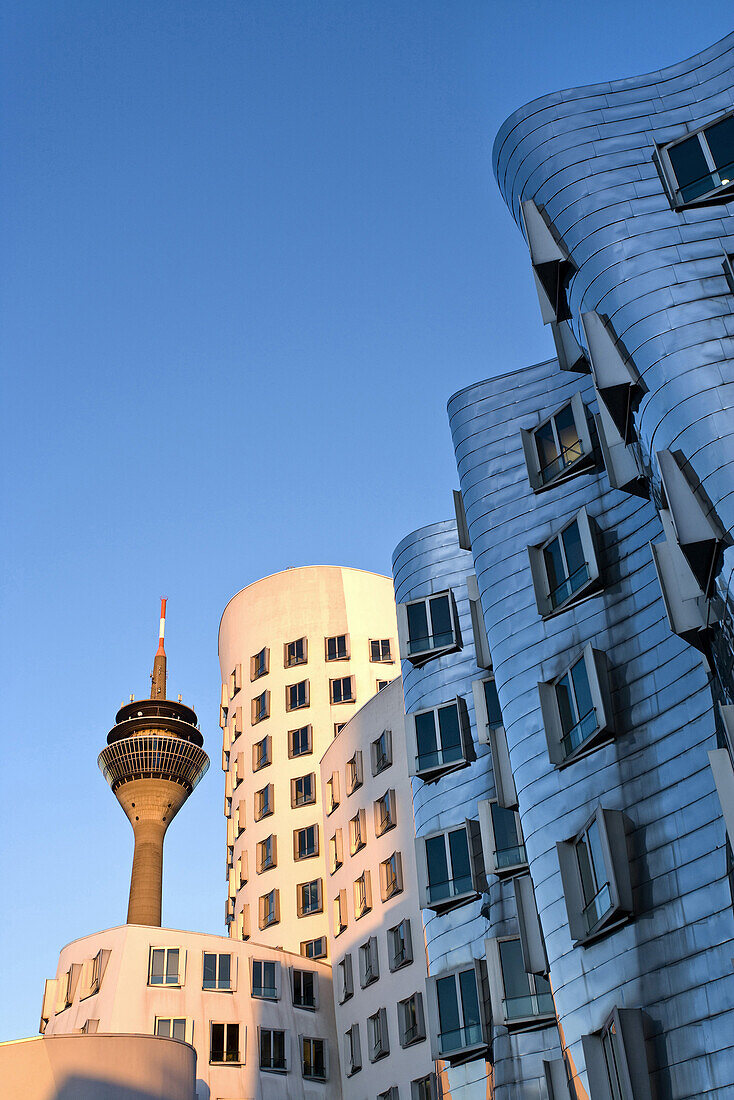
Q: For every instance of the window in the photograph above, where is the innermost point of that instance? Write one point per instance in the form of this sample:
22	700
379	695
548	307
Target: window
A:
459	1011
616	378
519	999
308	897
576	707
596	876
428	627
260	708
243	923
262	753
300	741
99	963
391	876
337	648
616	1058
369	962
304	989
314	949
265	979
352	1050
306	842
340	912
552	266
439	740
224	1044
354	773
336	852
346	981
377	1036
296	653
167	1027
385	813
273	1050
217	971
424	1088
380	684
491	731
338	727
342	689
502	843
303	790
332	792
381	651
381	752
297	695
700	166
269	909
362	895
166	966
482	654
399	945
235	680
411	1022
559	447
487	706
357	832
389	1094
260	664
267	853
450	866
264	802
696	527
565	568
313	1059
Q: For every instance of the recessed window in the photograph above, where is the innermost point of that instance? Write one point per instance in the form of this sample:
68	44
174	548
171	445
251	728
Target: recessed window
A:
306	842
596	876
357	832
313	1059
235	680
340	912
297	695
381	752
296	653
520	1000
314	949
354	773
381	651
559	447
576	707
224	1044
342	689
700	166
269	909
265	979
167	1027
377	1036
165	966
399	945
337	648
428	627
391	876
336	853
369	962
449	866
264	802
362	895
389	1094
411	1021
273	1050
266	853
332	792
217	971
380	684
346	981
338	727
616	1058
303	790
304	989
260	664
424	1088
439	739
461	1030
565	568
308	897
300	741
260	707
352	1051
502	843
385	813
262	753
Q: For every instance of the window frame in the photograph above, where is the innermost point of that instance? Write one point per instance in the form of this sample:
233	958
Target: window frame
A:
429	773
231	985
308	751
269	802
180	969
584	462
332	791
381	660
290	706
470	1050
352	1051
541	581
264	923
612	828
345	656
378	1037
539	999
341	916
419	657
631	1056
496	738
241	1046
187	1022
264	992
476	867
352	689
362	894
391	876
260	707
354	773
293	662
297	858
385	821
336	852
381	760
597	675
302	1040
661	158
262	865
406	1039
306	944
280	1069
346	978
493	864
296	971
259	667
262	753
301	887
303	800
357	832
405	958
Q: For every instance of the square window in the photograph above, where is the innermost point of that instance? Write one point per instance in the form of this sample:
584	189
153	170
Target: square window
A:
306	842
391	876
264	802
265	979
700	166
399	945
262	754
313	1059
300	742
385	813
267	853
224	1044
342	689
450	866
304	989
460	1014
308	895
303	790
411	1020
166	966
297	695
377	1035
616	1057
380	684
273	1049
260	664
352	1051
217	972
296	653
168	1028
428	627
439	740
576	707
336	854
381	651
337	648
269	909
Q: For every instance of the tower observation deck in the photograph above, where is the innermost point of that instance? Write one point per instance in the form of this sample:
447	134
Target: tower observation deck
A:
153	760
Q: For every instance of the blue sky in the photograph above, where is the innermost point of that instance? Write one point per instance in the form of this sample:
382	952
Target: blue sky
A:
249	251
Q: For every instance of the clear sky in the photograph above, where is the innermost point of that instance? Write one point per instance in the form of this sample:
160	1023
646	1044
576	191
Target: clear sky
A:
249	249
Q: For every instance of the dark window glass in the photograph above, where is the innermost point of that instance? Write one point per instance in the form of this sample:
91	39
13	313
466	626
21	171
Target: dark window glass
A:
448	1013
418	627
690	167
441	621
720	138
494	714
438	869
509	849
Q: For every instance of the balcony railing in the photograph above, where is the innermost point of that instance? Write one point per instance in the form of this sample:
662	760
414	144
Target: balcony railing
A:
598	907
426	642
567	587
450	888
582	731
459	1038
558	464
439	758
511	857
532	1004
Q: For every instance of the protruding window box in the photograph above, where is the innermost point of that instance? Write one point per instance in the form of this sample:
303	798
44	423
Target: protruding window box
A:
439	740
564	568
619	458
577	708
491	731
571	356
450	867
616	378
521	1001
596	876
502	843
698	169
700	535
428	627
552	266
458	1013
559	447
617	1060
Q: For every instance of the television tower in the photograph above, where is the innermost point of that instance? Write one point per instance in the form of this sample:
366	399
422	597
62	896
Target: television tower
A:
153	760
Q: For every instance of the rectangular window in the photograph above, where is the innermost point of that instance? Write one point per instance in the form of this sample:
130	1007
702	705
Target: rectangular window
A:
273	1050
525	997
336	852
399	945
303	790
380	684
576	707
337	648
297	695
340	912
300	741
265	979
342	689
381	651
338	727
354	773
565	568
167	1027
559	447
165	966
362	895
217	971
700	166
260	708
262	753
267	853
224	1044
429	627
332	792
269	909
304	989
308	896
616	1058
385	813
314	949
440	738
369	962
352	1050
424	1088
381	752
357	832
313	1059
306	842
448	868
459	1014
411	1020
235	680
389	1094
502	841
264	802
377	1036
296	653
260	663
596	876
346	981
391	876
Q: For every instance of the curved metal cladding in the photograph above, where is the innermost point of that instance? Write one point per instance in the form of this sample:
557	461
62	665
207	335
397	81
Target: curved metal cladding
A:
586	156
672	957
427	561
